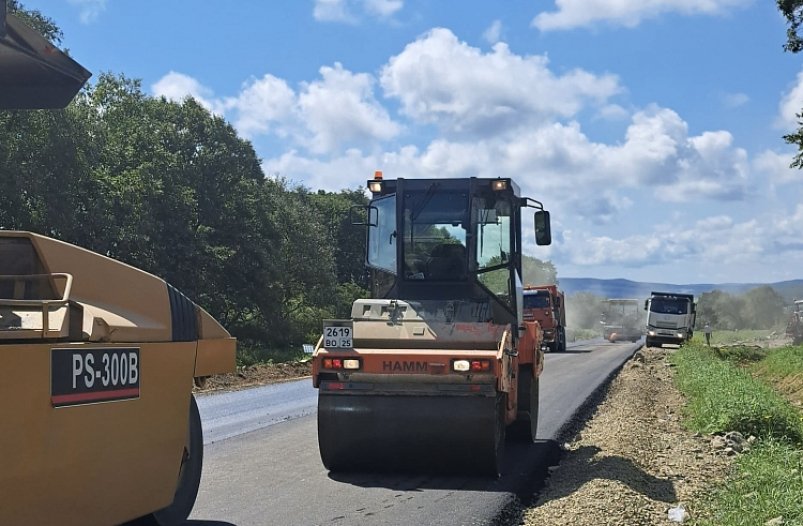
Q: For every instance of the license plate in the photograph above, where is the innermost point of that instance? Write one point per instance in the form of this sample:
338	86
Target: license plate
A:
338	334
87	376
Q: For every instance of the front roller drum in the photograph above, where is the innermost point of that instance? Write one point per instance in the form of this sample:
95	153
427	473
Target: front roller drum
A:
455	434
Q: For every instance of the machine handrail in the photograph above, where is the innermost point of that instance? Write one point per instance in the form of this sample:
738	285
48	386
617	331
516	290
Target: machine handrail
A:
46	304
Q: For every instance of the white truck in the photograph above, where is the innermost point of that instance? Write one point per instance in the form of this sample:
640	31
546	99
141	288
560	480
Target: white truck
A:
670	318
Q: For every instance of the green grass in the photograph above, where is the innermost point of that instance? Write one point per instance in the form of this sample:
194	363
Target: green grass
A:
248	355
730	337
768	484
781	363
724	396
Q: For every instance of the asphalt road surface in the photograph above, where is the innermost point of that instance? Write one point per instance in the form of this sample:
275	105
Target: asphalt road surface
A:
262	466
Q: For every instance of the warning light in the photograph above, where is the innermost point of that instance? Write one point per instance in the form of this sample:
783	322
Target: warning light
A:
341	363
499	185
378	175
479	366
351	364
474	366
461	366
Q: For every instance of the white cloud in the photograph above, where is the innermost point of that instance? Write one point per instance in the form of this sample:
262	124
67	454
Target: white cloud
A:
383	8
493	34
441	80
711	239
178	86
323	116
341	109
332	11
791	105
775	168
263	105
348	11
349	170
90	10
629	13
735	100
613	112
559	164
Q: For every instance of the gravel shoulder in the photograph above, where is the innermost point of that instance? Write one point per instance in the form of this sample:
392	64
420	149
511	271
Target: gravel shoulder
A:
633	460
255	375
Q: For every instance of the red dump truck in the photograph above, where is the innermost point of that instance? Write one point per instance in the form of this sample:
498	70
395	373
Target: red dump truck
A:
545	304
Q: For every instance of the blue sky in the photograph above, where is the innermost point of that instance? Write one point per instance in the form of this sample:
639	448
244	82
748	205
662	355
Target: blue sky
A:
651	129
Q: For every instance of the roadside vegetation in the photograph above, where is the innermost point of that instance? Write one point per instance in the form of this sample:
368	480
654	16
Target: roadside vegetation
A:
738	389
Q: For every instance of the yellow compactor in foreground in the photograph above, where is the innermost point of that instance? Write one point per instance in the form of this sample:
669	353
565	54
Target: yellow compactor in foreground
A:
97	358
97	361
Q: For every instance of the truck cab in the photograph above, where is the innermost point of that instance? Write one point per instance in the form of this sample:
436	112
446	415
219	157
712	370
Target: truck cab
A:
670	318
545	304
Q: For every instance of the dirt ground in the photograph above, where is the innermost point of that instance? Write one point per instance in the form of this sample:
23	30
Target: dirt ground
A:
633	461
252	376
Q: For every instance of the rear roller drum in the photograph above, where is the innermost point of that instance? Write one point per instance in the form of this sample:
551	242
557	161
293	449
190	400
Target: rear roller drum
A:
411	433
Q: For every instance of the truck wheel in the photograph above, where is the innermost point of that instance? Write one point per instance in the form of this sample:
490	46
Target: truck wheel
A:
189	477
526	424
562	339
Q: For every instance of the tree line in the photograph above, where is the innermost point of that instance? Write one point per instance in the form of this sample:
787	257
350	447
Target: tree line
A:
759	308
171	189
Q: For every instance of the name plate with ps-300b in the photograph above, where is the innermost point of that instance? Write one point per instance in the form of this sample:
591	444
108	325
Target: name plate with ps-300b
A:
88	376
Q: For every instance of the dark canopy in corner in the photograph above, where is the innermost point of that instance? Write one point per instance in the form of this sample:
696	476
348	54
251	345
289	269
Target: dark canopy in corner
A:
34	73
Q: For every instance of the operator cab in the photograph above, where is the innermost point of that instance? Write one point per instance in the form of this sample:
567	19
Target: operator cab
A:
431	239
669	305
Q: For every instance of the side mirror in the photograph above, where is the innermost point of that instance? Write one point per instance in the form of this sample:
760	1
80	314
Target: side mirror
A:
364	215
543	232
646	302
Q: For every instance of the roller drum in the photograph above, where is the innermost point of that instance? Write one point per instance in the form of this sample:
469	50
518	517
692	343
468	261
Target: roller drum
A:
455	434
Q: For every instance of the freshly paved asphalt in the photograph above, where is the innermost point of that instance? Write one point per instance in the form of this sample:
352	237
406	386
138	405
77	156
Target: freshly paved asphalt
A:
262	466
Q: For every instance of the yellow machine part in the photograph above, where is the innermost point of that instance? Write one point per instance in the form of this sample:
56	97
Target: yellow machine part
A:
95	464
71	452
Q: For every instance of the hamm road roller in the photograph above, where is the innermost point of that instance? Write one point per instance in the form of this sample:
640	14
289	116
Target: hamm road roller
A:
428	373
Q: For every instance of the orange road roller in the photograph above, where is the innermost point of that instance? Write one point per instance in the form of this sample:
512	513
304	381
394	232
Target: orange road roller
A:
429	372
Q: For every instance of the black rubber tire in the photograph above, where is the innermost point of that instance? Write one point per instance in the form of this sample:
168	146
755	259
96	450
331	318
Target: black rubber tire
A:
189	478
562	339
495	465
525	427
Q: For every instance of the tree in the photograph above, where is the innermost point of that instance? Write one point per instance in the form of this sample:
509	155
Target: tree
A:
35	19
538	272
792	10
759	308
763	308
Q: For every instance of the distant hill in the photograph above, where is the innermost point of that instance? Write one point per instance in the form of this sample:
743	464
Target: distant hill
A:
624	288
